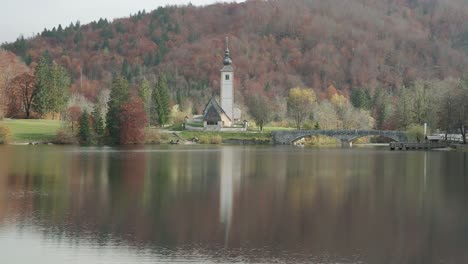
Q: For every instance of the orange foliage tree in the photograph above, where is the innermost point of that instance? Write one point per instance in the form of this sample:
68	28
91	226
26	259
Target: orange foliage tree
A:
133	122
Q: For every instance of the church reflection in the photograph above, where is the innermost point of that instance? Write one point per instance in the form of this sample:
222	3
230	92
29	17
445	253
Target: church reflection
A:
230	176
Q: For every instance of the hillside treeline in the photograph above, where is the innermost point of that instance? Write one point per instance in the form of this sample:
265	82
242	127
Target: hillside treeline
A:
371	50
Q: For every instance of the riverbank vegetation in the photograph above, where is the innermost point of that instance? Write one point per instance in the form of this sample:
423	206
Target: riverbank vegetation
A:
317	141
189	135
5	134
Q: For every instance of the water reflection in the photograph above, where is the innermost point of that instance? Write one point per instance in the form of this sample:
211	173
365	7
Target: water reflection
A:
231	204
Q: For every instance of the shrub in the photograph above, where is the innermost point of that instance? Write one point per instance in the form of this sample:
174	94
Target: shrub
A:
4	134
216	139
321	141
65	136
415	133
152	136
165	137
178	118
308	125
204	140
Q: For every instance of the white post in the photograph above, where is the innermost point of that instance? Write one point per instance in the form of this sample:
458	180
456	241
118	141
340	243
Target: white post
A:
425	130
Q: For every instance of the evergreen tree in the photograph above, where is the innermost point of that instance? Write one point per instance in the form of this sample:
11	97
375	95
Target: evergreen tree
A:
85	133
98	121
317	126
52	85
59	88
160	110
126	70
361	99
119	95
42	75
78	37
144	91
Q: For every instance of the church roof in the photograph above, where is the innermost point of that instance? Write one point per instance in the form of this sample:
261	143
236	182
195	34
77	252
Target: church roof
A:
215	105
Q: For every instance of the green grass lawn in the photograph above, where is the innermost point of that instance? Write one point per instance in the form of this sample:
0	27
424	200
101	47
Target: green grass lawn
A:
274	128
28	130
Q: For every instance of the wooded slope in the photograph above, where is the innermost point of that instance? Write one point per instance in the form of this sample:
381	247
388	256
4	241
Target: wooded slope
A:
275	45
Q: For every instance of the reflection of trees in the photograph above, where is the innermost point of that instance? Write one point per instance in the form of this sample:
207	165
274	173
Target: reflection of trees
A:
344	202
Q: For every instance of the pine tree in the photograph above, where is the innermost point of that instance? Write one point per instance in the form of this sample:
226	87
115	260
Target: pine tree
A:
59	88
52	86
317	126
119	95
98	121
160	110
126	70
144	91
42	75
85	133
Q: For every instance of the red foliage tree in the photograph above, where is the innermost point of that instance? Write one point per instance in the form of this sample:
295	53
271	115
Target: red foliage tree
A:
21	94
10	67
74	114
133	122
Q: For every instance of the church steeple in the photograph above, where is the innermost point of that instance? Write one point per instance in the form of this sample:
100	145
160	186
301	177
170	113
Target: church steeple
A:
227	84
227	54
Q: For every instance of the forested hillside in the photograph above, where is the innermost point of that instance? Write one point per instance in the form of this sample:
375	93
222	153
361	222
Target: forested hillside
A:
333	47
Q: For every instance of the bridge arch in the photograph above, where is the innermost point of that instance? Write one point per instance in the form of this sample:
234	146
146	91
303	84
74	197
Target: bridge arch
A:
345	136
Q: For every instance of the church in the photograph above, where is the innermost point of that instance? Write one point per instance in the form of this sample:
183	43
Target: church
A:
223	115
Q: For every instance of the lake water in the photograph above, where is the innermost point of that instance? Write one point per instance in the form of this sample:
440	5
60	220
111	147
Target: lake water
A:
232	204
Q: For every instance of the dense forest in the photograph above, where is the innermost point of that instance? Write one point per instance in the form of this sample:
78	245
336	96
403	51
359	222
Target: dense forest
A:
371	52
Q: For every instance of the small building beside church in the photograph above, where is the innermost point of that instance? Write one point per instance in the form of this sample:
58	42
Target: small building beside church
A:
221	116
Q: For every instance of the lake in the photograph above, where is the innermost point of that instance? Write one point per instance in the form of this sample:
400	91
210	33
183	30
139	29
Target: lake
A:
232	204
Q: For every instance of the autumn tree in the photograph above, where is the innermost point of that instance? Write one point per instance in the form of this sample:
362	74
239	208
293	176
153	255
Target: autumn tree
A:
73	116
133	121
300	102
24	88
10	67
260	109
420	99
119	95
160	108
461	113
325	114
349	116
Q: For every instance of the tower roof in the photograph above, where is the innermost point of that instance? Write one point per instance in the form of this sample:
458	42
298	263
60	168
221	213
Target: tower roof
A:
227	54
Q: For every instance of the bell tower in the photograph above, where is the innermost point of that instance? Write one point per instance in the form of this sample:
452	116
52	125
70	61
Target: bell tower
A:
227	84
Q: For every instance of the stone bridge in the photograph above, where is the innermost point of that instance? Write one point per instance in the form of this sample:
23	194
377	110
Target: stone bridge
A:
287	137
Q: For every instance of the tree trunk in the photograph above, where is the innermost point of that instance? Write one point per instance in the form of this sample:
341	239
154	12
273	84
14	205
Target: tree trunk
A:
463	133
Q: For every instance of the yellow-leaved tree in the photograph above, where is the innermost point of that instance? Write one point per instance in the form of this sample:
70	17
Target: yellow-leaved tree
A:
300	103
